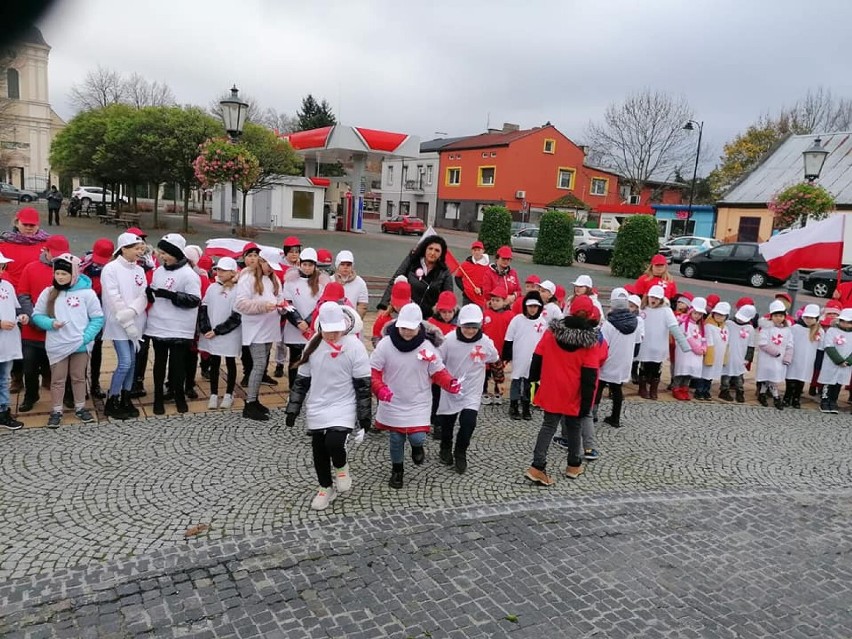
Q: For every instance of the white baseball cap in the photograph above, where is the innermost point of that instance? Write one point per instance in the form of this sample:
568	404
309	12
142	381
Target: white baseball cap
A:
811	310
272	257
746	313
410	316
656	291
125	240
548	286
699	304
331	318
619	293
845	315
226	264
344	256
777	307
583	280
193	253
635	300
308	255
722	308
470	314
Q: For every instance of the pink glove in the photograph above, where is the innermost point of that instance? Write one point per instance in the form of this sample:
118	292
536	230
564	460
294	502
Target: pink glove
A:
455	387
696	345
384	394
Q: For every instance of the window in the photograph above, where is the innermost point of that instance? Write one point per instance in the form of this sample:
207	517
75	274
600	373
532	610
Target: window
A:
13	86
721	251
598	186
303	205
429	172
493	154
745	251
404	177
578	232
486	175
390	209
480	211
453	176
390	177
451	210
549	145
485	154
565	179
404	208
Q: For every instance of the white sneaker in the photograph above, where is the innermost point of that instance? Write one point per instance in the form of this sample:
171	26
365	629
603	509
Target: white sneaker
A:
497	400
213	404
486	399
323	498
227	401
343	479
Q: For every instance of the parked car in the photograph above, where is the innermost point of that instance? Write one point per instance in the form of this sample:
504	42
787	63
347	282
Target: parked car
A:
14	193
404	225
735	262
689	245
93	194
588	236
823	282
600	252
524	240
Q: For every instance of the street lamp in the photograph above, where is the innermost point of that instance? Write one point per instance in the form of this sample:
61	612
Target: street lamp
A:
234	118
814	159
690	126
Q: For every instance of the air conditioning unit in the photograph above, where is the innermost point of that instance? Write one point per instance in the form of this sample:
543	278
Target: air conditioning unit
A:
634	199
520	195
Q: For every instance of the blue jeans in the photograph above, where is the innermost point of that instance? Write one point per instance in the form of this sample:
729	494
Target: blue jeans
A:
5	376
397	444
122	378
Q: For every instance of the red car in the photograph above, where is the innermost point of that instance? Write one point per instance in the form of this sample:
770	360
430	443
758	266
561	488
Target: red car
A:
404	225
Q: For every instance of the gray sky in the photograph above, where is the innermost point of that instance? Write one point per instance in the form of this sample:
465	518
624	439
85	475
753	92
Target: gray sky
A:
437	65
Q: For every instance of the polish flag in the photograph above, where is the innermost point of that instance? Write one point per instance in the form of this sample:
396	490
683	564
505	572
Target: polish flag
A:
229	247
817	245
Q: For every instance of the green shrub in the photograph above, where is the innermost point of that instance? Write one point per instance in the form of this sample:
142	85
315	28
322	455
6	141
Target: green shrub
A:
637	242
496	228
555	244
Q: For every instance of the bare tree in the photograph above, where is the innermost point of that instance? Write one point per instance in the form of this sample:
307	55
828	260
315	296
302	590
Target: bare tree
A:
140	93
99	89
280	122
255	112
819	111
643	137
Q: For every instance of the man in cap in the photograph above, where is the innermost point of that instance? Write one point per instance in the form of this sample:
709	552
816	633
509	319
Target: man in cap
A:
501	272
473	274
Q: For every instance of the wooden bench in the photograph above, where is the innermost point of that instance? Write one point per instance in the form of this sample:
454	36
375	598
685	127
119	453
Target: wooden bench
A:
127	219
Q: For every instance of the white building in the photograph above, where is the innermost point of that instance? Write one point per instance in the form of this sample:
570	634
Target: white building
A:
410	187
294	202
28	124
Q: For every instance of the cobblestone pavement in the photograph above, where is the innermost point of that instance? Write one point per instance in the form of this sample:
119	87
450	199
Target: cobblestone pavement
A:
698	521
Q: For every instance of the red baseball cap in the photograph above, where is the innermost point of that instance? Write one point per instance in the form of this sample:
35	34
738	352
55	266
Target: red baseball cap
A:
205	263
499	291
291	241
400	294
478	245
250	246
785	296
560	293
446	301
332	292
712	300
102	251
28	216
659	260
834	304
324	256
532	279
137	231
687	295
743	301
57	245
504	251
582	304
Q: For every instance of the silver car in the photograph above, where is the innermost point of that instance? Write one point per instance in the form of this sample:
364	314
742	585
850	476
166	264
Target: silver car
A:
524	240
14	193
685	247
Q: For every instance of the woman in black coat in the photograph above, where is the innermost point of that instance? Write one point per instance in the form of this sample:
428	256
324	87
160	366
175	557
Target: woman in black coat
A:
426	270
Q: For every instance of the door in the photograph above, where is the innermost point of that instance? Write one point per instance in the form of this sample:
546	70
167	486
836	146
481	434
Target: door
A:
423	211
714	263
261	208
749	229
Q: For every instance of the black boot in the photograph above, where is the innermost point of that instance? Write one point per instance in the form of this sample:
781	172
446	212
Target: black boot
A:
112	408
740	395
513	409
396	476
461	461
525	407
279	370
127	405
761	398
159	406
447	455
138	389
788	392
262	408
252	411
779	403
96	392
10	423
726	395
418	455
189	391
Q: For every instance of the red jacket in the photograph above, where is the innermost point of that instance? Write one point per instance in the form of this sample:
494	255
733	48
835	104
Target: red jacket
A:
445	327
23	254
509	280
565	363
36	277
471	276
495	324
645	282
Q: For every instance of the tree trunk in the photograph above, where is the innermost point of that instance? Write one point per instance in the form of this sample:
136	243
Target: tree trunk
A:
186	209
156	205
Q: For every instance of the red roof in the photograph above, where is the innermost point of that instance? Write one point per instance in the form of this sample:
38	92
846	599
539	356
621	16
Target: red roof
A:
381	140
311	139
623	208
485	140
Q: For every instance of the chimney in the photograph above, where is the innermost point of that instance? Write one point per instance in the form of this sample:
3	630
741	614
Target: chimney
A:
508	127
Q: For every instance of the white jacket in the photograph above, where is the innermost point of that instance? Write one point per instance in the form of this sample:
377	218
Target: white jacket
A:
10	341
123	286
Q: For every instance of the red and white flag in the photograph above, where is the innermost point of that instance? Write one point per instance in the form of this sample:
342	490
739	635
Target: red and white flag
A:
229	247
817	245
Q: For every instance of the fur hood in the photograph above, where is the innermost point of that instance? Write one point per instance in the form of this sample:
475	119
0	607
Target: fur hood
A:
573	333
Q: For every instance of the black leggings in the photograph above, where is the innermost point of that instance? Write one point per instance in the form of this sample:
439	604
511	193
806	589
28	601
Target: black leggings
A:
467	424
295	352
617	396
173	353
95	360
329	447
651	370
231	378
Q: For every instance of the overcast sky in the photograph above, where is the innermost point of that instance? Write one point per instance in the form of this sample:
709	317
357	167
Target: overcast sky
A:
449	66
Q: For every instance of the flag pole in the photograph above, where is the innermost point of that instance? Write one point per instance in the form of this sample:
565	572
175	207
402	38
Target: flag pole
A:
842	251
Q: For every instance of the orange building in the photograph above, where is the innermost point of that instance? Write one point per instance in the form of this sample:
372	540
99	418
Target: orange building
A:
523	170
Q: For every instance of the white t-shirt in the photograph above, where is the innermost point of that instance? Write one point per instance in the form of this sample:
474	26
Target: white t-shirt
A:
466	361
298	293
409	376
741	337
804	353
166	320
525	334
219	303
75	307
831	373
331	398
10	341
658	322
356	291
123	286
770	368
259	326
717	337
619	359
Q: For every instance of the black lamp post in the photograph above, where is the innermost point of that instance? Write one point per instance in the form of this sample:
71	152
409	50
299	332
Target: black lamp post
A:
814	159
690	126
234	118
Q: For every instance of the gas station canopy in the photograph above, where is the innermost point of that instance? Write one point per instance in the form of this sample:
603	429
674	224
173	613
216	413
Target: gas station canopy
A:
342	143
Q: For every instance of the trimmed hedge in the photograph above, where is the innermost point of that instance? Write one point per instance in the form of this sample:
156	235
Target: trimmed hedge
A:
496	228
637	242
555	244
